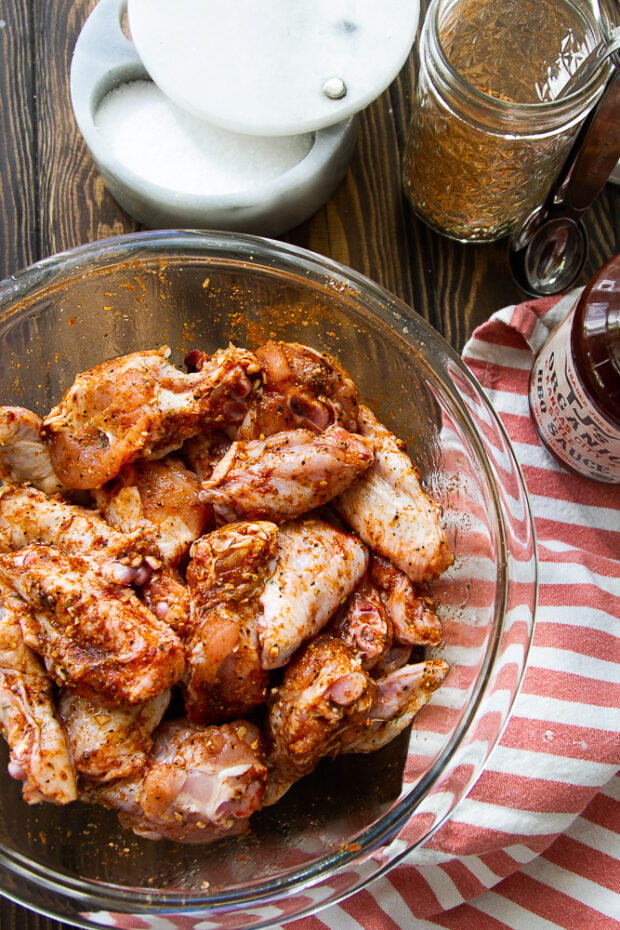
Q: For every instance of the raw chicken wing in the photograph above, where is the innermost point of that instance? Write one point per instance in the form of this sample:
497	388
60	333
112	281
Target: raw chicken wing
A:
318	566
394	658
201	453
411	612
28	516
24	457
391	512
302	388
109	742
160	499
226	575
39	753
95	636
400	696
364	624
141	406
324	689
286	475
199	783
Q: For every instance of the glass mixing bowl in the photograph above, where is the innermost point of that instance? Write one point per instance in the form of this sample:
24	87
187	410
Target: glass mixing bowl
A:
358	815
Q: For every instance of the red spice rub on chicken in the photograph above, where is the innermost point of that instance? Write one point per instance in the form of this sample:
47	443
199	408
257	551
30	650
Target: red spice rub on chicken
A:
199	783
95	636
302	389
390	510
226	576
140	405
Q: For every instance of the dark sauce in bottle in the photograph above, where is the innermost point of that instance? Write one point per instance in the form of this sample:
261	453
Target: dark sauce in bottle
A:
595	339
575	382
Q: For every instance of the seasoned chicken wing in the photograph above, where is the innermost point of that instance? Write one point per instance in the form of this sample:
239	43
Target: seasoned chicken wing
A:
39	752
324	689
95	636
317	567
28	516
302	388
141	406
201	453
109	742
394	658
391	512
286	475
227	573
327	704
199	783
364	624
160	499
24	457
411	612
400	695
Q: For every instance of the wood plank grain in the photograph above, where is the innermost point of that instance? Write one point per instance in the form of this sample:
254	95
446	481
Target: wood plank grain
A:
364	224
75	206
18	199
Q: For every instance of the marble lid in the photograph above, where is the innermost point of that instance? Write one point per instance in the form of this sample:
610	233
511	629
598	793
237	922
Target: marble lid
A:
273	67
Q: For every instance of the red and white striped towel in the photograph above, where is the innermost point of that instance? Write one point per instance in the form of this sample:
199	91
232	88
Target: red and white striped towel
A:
536	843
541	827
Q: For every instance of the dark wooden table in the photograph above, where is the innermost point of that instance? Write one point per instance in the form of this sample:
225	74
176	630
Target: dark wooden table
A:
52	198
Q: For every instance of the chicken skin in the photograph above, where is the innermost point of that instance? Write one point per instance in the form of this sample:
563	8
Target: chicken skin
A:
160	499
28	516
400	695
396	657
141	406
286	475
199	783
226	575
328	705
302	389
201	453
324	689
24	457
97	637
391	512
317	567
364	624
39	751
109	742
414	620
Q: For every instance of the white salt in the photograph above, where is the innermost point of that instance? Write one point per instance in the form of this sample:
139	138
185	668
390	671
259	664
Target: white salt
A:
164	144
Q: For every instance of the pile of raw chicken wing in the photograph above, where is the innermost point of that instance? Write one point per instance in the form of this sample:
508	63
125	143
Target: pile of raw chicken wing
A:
209	580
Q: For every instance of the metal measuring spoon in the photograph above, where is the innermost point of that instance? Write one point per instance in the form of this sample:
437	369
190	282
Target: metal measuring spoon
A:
547	253
593	63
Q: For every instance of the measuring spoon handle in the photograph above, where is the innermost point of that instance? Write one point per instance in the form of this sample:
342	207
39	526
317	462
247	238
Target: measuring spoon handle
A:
598	153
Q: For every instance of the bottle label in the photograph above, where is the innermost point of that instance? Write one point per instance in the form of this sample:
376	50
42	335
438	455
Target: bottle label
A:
567	421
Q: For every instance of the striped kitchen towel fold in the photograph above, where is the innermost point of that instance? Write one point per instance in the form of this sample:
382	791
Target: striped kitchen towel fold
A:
541	827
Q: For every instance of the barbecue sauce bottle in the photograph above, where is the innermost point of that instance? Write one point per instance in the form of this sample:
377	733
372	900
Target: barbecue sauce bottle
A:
575	382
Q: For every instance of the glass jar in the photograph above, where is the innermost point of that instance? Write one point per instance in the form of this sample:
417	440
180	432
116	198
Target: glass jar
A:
489	129
575	382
